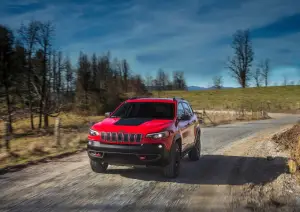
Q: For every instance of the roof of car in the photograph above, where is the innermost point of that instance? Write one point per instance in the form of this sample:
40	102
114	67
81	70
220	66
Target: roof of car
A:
154	99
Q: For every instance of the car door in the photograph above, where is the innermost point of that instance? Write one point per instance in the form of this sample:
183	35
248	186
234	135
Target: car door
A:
183	126
191	124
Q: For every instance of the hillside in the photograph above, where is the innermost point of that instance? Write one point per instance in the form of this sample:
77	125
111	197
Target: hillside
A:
198	88
274	99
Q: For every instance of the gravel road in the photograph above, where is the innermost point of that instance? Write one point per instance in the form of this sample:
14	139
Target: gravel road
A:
69	184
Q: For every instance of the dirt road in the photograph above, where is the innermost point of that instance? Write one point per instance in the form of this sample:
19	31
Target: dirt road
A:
69	185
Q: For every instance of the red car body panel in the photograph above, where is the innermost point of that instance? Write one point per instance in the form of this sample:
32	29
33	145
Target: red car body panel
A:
151	126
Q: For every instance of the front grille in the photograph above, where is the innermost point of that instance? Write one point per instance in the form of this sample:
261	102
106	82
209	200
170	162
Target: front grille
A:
132	137
121	137
114	137
126	137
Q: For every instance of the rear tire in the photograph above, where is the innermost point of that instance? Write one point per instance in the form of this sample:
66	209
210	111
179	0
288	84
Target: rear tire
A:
172	169
98	167
195	153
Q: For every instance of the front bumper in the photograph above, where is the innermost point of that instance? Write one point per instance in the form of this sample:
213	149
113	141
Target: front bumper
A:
128	154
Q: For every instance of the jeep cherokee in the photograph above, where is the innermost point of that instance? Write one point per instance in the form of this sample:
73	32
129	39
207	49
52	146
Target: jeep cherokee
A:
146	131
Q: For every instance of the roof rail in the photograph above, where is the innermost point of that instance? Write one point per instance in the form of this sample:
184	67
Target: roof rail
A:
135	97
175	98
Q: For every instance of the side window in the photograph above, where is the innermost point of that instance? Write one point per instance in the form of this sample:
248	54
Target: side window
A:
187	109
180	110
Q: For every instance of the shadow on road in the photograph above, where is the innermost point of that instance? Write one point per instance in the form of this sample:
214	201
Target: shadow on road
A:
215	170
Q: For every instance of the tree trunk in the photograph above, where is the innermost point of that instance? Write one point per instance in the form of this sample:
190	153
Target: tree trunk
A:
86	100
41	114
31	116
68	85
29	93
10	129
43	94
46	121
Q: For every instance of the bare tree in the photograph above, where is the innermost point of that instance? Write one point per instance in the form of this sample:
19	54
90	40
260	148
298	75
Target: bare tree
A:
179	82
45	37
94	70
69	76
217	82
240	64
6	71
149	80
265	71
84	77
54	70
162	79
28	36
257	77
60	70
285	80
138	84
125	73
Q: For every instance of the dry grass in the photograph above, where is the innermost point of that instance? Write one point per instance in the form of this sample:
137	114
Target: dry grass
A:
290	140
30	145
223	117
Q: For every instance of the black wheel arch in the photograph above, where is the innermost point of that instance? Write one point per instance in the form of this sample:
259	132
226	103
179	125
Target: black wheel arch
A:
198	130
177	139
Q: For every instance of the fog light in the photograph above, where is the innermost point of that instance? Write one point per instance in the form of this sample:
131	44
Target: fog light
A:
90	142
160	146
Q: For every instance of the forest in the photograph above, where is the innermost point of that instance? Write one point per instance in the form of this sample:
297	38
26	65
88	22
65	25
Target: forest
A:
38	80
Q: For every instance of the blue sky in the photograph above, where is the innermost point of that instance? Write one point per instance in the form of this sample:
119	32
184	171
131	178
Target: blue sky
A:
193	35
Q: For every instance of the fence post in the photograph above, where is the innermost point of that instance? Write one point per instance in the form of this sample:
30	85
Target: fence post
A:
57	132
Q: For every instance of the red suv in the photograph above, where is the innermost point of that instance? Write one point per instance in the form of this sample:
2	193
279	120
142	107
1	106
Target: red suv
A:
146	131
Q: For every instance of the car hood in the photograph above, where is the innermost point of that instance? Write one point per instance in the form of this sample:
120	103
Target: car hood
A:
132	125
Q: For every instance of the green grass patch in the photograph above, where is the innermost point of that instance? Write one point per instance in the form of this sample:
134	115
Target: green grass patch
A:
272	99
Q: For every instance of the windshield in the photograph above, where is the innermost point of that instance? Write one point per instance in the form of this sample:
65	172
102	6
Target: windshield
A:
155	110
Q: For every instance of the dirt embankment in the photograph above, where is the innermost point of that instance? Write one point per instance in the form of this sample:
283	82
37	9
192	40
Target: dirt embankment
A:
279	193
290	140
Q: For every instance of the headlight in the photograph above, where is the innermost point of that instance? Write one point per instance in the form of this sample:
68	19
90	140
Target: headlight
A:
158	135
93	133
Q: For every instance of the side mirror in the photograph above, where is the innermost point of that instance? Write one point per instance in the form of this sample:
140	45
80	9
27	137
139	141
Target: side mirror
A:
107	114
184	117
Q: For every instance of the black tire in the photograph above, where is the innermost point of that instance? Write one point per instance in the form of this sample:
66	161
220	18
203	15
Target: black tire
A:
172	169
98	167
195	153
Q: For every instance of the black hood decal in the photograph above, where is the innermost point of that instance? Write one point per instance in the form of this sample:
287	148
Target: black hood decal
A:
132	121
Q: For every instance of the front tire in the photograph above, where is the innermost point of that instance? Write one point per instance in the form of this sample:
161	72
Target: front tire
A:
195	153
172	169
98	167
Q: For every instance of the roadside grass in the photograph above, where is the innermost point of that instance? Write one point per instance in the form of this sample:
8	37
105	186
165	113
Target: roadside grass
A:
271	99
213	118
31	145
